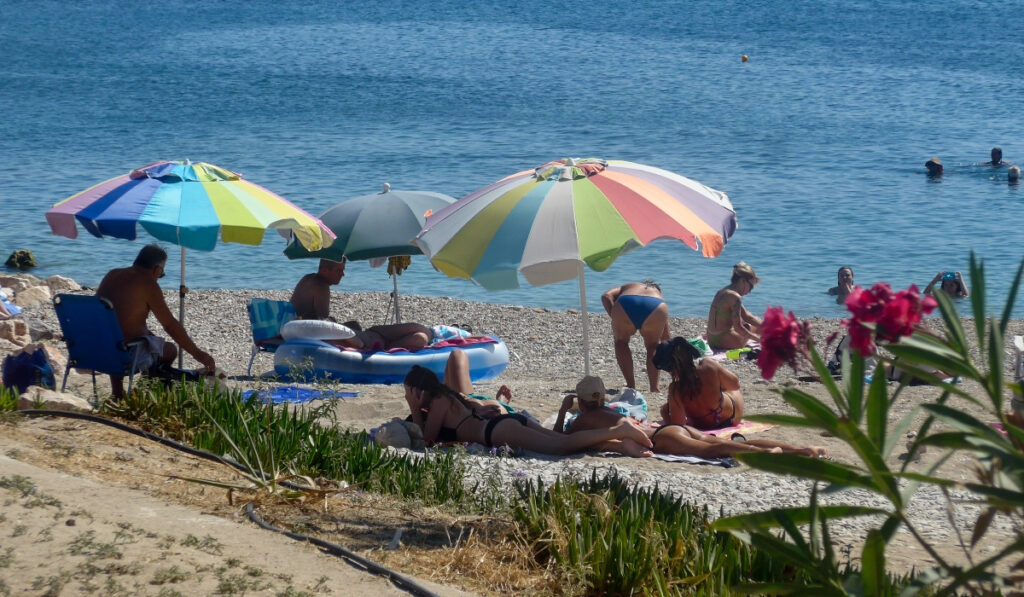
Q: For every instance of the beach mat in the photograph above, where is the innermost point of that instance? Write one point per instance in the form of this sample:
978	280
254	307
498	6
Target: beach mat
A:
744	428
296	394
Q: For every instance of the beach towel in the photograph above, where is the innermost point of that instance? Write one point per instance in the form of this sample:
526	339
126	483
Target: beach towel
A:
724	462
744	428
296	394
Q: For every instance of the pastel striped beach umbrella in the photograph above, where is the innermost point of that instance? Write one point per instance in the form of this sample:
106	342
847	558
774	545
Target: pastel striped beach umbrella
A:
188	204
546	223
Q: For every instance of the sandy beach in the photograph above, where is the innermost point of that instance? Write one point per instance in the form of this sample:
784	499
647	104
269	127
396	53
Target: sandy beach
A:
546	361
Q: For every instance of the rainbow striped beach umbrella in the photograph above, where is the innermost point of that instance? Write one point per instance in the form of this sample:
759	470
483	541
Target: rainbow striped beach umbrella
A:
548	222
187	204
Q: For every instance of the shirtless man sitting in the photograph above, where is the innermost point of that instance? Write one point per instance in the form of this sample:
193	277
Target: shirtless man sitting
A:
135	293
637	307
312	300
730	325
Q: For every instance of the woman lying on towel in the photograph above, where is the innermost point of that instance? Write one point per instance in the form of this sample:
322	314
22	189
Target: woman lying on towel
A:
445	415
703	393
682	440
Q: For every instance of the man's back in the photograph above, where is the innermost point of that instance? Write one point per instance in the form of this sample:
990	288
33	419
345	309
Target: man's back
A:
311	298
132	292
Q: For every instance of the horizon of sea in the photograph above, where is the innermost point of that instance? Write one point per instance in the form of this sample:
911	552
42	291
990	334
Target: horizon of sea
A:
819	138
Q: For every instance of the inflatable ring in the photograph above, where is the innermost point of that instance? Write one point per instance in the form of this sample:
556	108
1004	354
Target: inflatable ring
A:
316	329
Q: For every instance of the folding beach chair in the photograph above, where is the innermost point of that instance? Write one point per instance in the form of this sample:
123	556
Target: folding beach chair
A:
94	339
266	317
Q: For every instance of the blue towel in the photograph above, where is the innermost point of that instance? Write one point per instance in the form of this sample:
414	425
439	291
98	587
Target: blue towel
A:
295	394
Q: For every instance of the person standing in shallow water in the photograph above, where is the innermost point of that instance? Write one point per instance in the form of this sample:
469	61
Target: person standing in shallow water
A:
730	325
637	307
844	284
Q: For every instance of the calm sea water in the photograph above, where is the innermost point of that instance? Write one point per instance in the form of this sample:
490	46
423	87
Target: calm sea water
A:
820	139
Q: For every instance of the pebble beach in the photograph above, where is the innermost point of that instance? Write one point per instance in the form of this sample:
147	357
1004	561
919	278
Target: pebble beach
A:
546	358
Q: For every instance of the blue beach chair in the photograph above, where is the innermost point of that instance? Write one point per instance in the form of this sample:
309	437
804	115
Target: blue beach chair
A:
94	339
266	317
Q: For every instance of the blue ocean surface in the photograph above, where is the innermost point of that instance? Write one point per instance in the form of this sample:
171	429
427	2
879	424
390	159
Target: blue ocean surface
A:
819	139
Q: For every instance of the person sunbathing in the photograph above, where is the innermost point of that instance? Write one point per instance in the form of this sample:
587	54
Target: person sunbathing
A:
436	407
682	440
703	393
730	325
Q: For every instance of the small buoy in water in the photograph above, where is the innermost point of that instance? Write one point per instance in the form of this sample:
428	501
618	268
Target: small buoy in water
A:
744	58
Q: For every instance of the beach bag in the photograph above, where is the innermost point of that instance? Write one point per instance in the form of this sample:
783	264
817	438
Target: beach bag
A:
28	369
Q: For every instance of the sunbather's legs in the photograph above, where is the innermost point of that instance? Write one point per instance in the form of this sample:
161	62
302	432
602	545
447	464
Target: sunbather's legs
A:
516	435
764	444
411	336
688	441
456	372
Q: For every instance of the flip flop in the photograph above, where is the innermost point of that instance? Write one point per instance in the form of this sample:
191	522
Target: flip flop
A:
738	437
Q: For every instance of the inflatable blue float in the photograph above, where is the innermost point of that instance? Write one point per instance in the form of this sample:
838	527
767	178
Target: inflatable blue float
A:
309	359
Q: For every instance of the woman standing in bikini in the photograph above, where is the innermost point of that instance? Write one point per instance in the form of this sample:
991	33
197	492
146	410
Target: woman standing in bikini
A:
730	325
637	307
703	393
438	410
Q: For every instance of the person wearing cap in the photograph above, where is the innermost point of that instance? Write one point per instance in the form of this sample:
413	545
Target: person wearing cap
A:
637	307
680	440
934	167
442	412
730	325
952	284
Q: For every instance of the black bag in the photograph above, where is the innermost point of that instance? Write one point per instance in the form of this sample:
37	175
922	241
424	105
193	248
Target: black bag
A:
28	369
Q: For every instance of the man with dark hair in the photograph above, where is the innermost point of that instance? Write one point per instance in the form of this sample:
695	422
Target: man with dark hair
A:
135	293
997	158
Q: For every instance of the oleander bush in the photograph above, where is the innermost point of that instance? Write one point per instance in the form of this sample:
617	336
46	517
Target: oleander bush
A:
857	412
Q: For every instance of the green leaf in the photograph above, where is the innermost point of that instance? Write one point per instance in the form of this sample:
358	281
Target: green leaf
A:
799	515
981	525
1004	321
897	432
853	373
995	369
812	408
978	297
873	563
964	422
877	412
808	468
1012	498
788	420
826	379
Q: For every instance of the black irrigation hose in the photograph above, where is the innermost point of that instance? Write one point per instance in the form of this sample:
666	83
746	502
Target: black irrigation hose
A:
340	551
400	581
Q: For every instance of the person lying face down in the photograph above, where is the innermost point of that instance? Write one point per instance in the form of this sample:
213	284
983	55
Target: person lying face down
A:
682	440
434	406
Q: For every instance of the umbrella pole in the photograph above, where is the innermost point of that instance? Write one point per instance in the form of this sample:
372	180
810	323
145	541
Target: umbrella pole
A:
181	307
398	312
586	323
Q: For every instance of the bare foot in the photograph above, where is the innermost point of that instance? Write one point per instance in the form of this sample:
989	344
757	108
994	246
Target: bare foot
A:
775	450
629	447
820	452
627	430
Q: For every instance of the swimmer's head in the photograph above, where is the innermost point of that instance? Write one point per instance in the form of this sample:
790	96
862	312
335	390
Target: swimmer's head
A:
934	166
997	155
845	273
1013	175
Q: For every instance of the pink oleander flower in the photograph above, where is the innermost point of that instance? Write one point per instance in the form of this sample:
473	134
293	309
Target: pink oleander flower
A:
783	339
894	315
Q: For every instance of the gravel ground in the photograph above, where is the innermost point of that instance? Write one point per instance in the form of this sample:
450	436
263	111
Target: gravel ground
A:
546	360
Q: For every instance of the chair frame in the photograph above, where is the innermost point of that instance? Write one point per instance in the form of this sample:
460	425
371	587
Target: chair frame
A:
134	348
258	347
